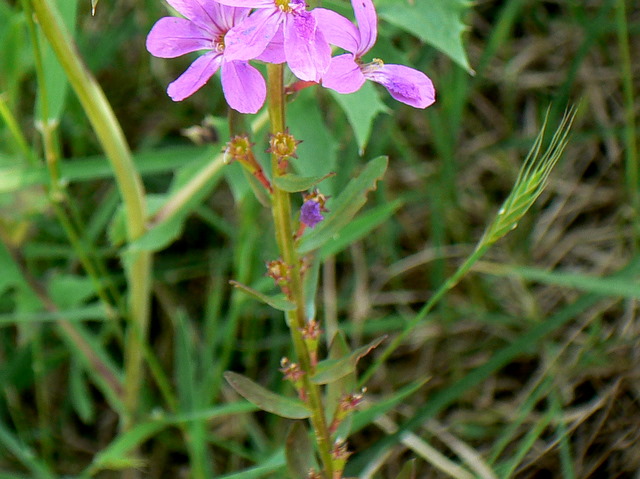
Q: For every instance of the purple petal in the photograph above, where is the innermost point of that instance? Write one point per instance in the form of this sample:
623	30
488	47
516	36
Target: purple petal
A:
200	12
337	30
367	24
274	53
195	76
248	3
171	37
223	17
243	86
249	39
310	213
344	75
308	53
404	84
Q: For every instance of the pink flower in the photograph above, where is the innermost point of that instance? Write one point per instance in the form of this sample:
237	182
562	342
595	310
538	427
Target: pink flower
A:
205	28
347	73
305	48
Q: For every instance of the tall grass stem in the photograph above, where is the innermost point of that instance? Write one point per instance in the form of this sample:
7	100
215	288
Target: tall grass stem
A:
112	139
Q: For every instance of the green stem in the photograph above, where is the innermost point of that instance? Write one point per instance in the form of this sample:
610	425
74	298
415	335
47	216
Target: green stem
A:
632	175
296	320
47	125
446	286
129	183
16	133
180	199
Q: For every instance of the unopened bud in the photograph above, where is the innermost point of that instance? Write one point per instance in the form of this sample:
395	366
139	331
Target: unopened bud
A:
293	373
283	145
347	404
280	272
311	335
239	149
339	456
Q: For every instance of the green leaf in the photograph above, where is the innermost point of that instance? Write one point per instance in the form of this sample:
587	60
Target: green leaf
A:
339	349
115	455
293	183
164	160
331	370
38	468
364	417
436	22
359	228
361	108
345	206
154	239
277	302
11	275
605	286
265	399
299	452
192	184
408	471
80	395
68	291
274	466
317	154
55	77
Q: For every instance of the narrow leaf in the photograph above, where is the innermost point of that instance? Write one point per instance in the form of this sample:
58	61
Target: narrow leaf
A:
437	22
331	370
339	349
277	302
115	455
361	109
610	286
265	399
299	452
408	471
359	228
293	183
364	417
79	394
57	84
345	206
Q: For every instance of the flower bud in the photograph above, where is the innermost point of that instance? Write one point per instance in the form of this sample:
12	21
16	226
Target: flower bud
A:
280	272
339	456
311	335
283	146
239	149
347	404
293	373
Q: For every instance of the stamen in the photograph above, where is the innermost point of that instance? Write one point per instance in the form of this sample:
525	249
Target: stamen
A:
218	44
376	64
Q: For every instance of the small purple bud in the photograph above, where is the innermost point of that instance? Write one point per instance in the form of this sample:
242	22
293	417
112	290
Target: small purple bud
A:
310	213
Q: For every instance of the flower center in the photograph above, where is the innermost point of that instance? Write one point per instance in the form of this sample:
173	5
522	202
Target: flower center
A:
375	65
217	44
289	6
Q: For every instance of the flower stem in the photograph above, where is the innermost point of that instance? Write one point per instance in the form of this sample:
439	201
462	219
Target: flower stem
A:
296	320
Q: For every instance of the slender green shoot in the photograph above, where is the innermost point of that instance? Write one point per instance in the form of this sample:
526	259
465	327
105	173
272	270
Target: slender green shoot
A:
531	181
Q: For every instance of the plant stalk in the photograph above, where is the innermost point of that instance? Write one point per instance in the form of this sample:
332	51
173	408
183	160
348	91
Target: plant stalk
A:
296	320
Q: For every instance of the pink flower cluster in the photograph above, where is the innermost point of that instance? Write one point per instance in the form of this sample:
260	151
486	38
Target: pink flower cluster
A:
233	32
